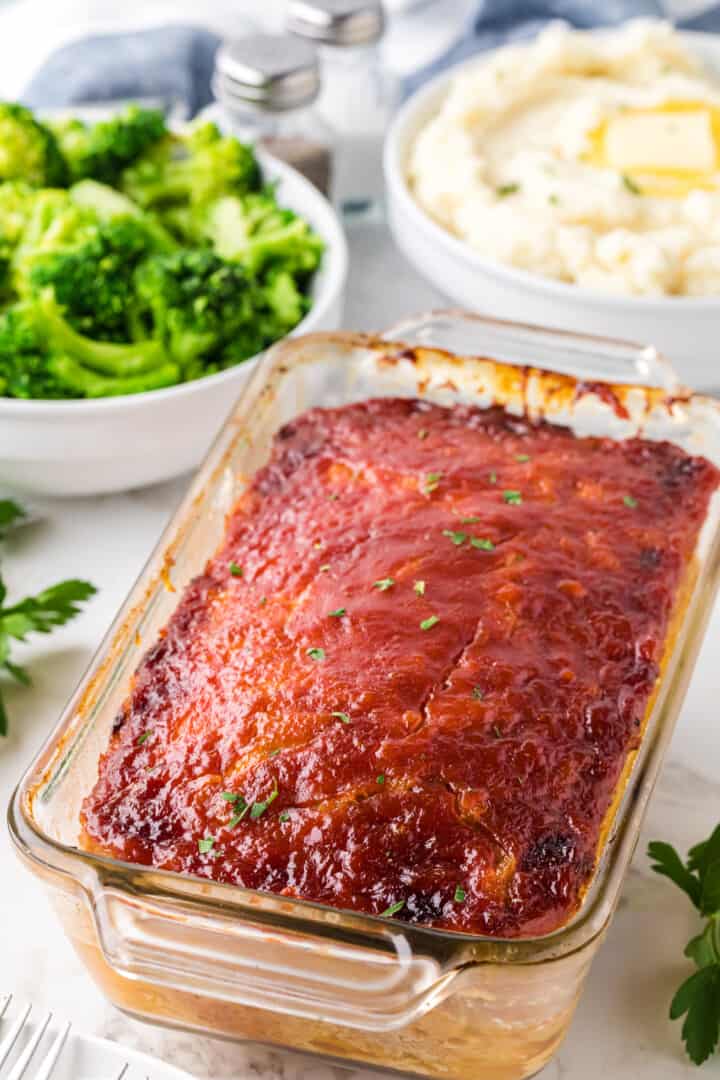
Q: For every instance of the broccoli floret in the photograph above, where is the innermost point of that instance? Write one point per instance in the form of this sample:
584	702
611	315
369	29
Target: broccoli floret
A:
101	151
42	356
54	224
24	356
196	303
93	283
210	313
28	150
192	169
16	202
254	230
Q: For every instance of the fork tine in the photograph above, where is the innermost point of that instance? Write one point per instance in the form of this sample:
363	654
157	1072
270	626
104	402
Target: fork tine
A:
20	1066
48	1065
12	1036
6	1001
122	1072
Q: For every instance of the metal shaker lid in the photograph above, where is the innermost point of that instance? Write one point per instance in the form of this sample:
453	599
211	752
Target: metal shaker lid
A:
270	71
337	22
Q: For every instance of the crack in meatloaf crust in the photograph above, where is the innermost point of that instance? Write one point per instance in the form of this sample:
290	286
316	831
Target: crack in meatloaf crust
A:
410	680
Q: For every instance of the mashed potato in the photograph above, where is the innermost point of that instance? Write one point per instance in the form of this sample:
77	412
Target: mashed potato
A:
591	157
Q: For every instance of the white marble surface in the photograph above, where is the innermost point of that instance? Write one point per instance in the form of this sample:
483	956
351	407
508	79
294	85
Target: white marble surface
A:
620	1029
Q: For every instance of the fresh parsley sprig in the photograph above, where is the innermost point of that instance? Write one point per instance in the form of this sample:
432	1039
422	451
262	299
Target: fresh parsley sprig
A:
698	999
34	614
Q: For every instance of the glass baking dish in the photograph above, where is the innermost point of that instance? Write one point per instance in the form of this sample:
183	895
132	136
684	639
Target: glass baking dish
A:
353	988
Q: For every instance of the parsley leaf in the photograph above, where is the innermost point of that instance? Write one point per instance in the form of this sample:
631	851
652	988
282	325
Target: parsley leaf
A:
338	612
419	588
258	808
393	909
342	716
522	458
432	481
478	693
10	514
143	738
630	501
460	894
492	477
235	570
205	846
513	498
630	184
698	998
457	537
506	189
315	654
472	520
482	543
667	862
384	584
427	624
36	615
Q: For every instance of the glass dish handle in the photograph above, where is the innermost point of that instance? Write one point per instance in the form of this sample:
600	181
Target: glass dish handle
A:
256	963
580	355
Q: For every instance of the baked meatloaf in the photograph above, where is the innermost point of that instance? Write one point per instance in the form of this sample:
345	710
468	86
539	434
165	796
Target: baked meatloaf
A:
411	680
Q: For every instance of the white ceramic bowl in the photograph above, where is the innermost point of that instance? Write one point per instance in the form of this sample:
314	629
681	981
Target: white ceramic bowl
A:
113	444
686	329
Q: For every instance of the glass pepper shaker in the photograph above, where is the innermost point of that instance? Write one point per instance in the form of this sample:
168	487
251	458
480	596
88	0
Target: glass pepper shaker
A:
357	96
266	86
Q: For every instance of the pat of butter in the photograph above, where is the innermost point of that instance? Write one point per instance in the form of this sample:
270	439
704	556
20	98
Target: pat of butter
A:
658	141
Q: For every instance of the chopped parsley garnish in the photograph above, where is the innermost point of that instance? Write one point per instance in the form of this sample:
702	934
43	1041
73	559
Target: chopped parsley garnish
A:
482	543
457	538
427	624
419	588
393	909
324	568
338	612
553	200
472	520
384	584
513	498
522	457
478	693
143	738
284	816
240	813
630	501
258	808
423	433
229	796
460	894
506	189
431	482
235	570
342	716
631	185
316	654
380	779
497	732
274	753
492	477
205	846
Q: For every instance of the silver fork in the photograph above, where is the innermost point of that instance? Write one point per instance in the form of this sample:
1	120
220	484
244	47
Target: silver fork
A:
47	1065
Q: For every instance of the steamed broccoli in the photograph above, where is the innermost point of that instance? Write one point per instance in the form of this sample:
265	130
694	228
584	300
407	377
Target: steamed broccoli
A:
254	230
28	150
42	356
93	282
101	151
192	169
55	223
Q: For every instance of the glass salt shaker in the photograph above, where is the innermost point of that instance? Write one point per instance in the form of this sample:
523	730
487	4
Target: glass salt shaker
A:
266	86
357	96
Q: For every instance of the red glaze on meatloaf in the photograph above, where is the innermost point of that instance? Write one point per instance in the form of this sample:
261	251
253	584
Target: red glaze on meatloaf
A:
411	677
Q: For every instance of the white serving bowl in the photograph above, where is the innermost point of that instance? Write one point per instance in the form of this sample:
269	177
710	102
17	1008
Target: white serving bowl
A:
93	447
685	329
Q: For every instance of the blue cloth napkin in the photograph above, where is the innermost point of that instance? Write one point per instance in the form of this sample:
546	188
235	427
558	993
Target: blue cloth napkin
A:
172	65
500	21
